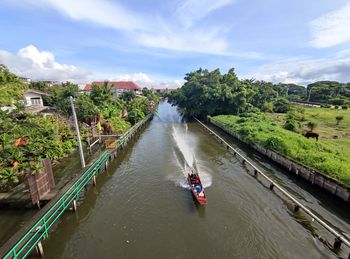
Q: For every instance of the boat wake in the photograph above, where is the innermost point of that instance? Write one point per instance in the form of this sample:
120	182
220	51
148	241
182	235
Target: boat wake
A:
184	151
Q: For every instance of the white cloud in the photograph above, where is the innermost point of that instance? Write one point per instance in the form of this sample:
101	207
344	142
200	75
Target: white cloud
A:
154	31
40	65
190	11
305	71
331	29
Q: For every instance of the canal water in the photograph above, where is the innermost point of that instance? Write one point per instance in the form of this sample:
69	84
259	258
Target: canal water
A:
142	207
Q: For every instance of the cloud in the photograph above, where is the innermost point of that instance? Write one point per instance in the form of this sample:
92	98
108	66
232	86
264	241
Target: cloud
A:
41	65
305	71
331	29
154	31
190	11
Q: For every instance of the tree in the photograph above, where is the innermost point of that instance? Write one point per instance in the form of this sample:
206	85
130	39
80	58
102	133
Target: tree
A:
86	109
281	105
128	96
11	87
311	125
102	94
339	118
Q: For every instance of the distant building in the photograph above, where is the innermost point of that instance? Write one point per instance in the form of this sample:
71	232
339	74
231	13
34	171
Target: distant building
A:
26	80
165	90
50	82
34	98
118	87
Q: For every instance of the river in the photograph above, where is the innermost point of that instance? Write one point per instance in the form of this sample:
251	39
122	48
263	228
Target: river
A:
141	207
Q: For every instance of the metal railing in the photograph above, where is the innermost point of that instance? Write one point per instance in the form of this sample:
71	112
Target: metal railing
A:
40	229
273	184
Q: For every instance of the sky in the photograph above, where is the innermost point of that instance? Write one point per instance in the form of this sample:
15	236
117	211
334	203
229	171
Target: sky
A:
156	42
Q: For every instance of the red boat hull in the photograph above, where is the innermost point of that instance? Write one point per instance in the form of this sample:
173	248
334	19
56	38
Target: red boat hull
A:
202	200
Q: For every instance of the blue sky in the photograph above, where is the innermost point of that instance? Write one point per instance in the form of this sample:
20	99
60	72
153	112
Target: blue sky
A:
157	42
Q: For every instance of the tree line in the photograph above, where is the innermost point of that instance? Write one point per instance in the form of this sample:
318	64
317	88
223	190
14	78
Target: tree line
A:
212	93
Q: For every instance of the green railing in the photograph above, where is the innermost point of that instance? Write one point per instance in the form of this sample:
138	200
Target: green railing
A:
40	229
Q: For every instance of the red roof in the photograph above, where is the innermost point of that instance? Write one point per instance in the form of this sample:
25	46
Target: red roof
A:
116	85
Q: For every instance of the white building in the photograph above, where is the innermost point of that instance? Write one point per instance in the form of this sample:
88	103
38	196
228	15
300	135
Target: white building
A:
34	98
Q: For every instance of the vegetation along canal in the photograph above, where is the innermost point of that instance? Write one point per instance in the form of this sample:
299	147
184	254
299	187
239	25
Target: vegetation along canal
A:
142	208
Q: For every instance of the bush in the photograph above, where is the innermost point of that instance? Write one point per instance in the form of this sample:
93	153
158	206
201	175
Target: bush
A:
276	144
337	101
291	125
325	106
336	107
344	107
281	105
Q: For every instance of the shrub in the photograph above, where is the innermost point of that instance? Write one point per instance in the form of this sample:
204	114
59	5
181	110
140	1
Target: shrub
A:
276	144
339	118
281	105
336	107
291	125
344	107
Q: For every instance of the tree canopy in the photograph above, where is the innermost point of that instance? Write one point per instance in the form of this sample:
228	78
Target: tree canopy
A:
11	87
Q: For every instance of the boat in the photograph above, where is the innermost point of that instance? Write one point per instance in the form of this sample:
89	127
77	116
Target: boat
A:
196	187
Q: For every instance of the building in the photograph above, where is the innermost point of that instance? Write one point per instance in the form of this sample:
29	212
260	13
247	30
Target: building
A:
34	98
165	90
26	80
117	86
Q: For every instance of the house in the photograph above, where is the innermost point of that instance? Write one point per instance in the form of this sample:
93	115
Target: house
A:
34	98
117	86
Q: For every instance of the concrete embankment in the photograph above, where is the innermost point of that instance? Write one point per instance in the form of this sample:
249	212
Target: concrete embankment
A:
311	175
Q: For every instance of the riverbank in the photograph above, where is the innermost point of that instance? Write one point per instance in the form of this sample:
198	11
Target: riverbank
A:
294	152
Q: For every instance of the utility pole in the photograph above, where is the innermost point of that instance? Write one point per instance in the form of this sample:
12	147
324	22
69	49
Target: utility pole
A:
80	147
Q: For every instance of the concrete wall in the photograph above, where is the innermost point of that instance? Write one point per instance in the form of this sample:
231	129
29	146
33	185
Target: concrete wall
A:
29	96
311	175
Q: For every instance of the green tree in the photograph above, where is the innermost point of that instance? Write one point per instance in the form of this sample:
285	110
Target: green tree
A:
281	105
339	118
11	87
102	94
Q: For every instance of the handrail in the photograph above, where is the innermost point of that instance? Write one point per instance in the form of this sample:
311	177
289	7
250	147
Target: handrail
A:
299	204
41	227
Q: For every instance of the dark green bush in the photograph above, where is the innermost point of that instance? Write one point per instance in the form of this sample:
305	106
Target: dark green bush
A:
276	144
281	105
291	125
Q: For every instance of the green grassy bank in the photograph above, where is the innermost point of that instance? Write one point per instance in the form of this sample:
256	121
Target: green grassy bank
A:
330	155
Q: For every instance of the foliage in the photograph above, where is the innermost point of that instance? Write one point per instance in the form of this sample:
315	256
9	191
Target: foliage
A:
135	115
128	96
339	118
291	125
322	155
329	92
281	105
102	94
26	139
11	87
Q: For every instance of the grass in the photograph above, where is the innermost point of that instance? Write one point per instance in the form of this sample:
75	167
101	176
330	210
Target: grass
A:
329	155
